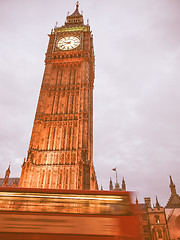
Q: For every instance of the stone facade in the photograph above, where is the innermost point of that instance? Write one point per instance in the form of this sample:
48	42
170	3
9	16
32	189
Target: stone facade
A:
153	221
60	154
161	222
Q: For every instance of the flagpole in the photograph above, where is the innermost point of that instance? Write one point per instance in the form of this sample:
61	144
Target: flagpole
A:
115	169
116	176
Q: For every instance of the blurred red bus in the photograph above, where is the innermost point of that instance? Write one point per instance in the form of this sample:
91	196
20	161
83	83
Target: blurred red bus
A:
66	214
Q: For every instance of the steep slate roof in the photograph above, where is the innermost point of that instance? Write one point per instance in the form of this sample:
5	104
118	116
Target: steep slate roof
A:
10	181
142	207
76	13
173	202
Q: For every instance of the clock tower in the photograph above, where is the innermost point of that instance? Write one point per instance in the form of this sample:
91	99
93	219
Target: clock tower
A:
60	154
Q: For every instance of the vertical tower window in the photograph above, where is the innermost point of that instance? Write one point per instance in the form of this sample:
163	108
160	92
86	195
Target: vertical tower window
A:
157	219
159	234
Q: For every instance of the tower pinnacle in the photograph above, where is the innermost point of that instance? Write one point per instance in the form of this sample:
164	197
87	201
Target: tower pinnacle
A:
75	19
157	203
123	185
6	178
77	5
172	186
110	185
9	168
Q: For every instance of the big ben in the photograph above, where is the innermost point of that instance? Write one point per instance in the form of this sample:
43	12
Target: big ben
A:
60	154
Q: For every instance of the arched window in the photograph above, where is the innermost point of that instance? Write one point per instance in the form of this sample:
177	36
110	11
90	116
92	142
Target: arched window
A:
157	218
154	234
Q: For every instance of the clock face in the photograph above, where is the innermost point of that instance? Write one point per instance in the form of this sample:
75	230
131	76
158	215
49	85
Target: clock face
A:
68	43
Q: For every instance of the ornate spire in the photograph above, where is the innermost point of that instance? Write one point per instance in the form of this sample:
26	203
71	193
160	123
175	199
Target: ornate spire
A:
77	5
157	203
75	19
123	185
8	168
110	185
6	178
174	200
171	181
172	187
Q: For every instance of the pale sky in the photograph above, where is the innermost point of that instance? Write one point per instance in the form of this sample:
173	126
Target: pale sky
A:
136	94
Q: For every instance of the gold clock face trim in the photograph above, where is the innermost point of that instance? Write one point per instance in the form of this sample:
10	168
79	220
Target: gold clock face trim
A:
68	43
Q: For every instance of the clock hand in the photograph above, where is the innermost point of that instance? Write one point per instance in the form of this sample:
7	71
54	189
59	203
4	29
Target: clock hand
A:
67	42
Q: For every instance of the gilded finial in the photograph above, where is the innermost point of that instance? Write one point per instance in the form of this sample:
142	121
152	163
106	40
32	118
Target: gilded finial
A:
77	5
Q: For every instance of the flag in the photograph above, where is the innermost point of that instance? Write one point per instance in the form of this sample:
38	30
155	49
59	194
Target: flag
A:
114	169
